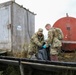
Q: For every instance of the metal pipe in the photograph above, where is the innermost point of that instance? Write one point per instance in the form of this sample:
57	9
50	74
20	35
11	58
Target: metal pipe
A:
49	66
4	61
72	64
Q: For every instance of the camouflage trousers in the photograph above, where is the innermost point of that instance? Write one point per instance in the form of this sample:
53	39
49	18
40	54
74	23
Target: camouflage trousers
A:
55	51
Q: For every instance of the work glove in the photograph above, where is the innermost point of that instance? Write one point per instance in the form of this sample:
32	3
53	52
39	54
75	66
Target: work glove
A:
44	46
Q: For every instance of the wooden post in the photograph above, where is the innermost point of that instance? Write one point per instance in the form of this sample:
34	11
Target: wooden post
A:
21	69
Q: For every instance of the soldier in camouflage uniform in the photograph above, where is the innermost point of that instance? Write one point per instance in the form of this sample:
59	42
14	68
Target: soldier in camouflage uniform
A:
59	35
36	41
54	39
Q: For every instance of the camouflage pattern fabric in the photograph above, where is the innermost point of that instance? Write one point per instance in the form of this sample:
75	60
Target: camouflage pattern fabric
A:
50	36
59	33
56	45
55	36
35	42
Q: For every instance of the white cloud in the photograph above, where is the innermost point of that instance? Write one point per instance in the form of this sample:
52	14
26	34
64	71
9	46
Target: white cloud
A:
48	11
1	1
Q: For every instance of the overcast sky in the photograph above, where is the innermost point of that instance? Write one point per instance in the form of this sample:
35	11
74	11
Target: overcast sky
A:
48	11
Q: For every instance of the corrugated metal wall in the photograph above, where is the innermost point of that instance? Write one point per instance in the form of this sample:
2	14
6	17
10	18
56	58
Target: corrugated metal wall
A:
31	24
18	25
23	26
5	32
21	22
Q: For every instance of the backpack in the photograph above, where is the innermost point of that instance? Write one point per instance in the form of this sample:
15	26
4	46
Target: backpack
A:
59	33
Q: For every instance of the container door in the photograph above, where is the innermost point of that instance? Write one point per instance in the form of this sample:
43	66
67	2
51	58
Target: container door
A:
5	32
68	28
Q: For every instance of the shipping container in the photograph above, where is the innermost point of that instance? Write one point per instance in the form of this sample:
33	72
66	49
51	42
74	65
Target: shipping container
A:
17	24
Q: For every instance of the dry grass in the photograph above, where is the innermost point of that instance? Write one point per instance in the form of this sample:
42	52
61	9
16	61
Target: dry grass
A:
68	57
21	53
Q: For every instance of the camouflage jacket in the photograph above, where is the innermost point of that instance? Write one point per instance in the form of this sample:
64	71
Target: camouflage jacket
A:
55	36
56	43
35	42
50	36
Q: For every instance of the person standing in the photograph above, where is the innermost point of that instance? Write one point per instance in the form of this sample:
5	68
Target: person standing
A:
54	39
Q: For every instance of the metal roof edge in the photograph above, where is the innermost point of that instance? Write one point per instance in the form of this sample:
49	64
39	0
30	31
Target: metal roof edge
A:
11	2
